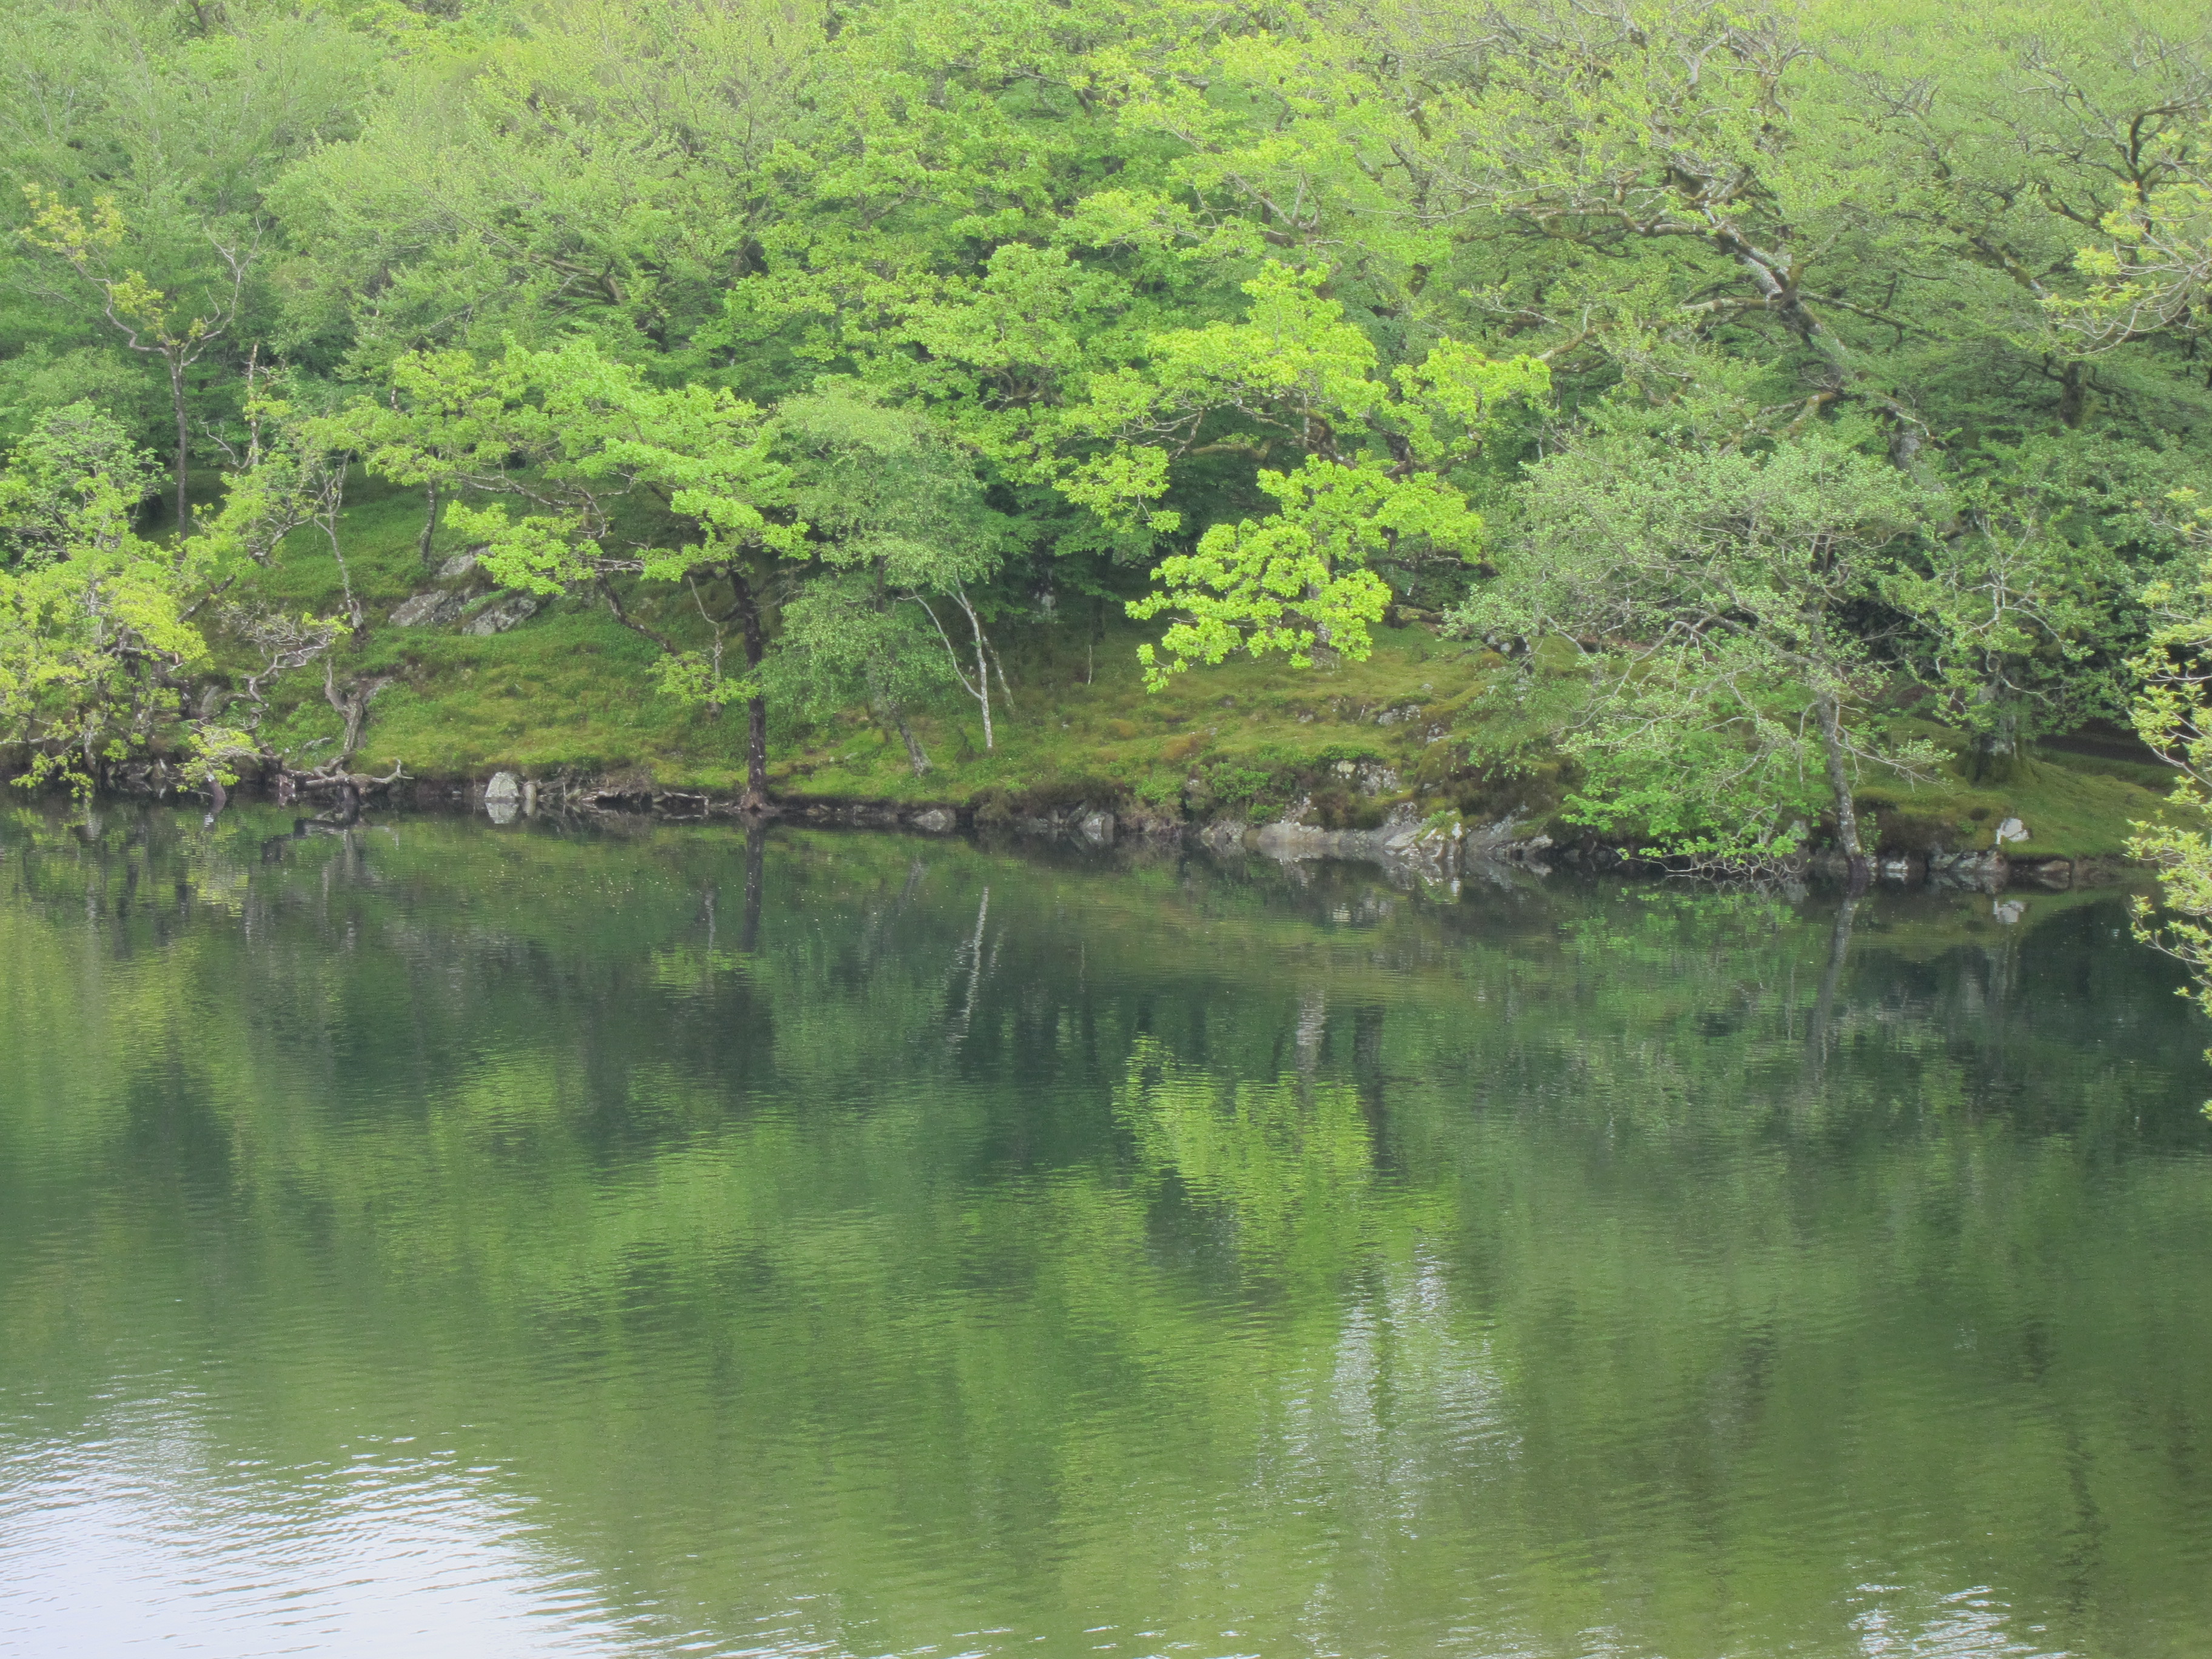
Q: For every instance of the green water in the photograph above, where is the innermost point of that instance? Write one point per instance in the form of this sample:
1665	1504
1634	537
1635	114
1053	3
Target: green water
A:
443	1238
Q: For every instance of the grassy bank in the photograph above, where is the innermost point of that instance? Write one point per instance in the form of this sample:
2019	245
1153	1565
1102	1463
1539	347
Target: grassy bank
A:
571	690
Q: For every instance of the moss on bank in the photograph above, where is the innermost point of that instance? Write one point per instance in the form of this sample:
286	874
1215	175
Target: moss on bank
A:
572	691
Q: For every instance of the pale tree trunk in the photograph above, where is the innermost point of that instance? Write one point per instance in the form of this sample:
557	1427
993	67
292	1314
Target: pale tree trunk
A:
982	667
980	687
1830	715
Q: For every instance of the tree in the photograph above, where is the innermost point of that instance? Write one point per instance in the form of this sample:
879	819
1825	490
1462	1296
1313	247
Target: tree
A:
1376	483
2009	597
843	642
97	637
610	171
1718	573
2173	715
148	320
895	512
72	481
616	478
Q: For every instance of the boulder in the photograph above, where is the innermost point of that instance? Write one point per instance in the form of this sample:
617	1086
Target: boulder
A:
2011	829
936	821
1369	777
432	608
502	797
1097	828
501	615
1979	871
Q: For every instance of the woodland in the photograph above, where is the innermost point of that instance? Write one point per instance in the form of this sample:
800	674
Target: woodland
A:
1741	409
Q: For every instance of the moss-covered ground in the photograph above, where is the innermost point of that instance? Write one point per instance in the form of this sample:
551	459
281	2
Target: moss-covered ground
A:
572	691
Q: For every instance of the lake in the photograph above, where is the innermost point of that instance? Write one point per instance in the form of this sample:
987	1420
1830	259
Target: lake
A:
445	1238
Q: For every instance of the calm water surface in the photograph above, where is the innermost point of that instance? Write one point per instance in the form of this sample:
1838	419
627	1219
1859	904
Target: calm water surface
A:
444	1239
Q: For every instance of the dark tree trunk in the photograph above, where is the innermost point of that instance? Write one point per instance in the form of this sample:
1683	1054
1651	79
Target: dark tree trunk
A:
755	798
2074	395
184	449
1996	756
429	524
915	756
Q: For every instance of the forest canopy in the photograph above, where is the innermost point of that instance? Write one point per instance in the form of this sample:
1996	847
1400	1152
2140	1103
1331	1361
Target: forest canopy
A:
1797	370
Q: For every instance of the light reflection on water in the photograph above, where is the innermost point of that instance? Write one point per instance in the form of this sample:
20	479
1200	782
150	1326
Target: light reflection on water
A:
454	1239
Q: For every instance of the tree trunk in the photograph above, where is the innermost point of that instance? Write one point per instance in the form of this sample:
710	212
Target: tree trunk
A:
1839	784
755	799
429	524
983	681
352	707
915	757
983	666
1997	759
2073	395
183	448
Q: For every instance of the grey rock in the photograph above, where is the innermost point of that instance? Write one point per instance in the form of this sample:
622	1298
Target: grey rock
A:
1977	872
498	617
432	608
1369	777
936	821
502	798
2011	829
461	564
1098	828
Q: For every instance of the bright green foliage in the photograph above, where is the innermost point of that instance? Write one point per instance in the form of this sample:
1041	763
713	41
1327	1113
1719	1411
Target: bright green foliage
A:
592	451
2173	713
1301	577
71	482
96	641
1376	481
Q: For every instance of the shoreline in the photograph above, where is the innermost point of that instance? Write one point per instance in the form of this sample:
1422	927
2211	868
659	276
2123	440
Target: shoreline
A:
1442	849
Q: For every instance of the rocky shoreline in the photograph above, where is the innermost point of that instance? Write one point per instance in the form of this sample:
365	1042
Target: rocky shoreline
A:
1442	848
